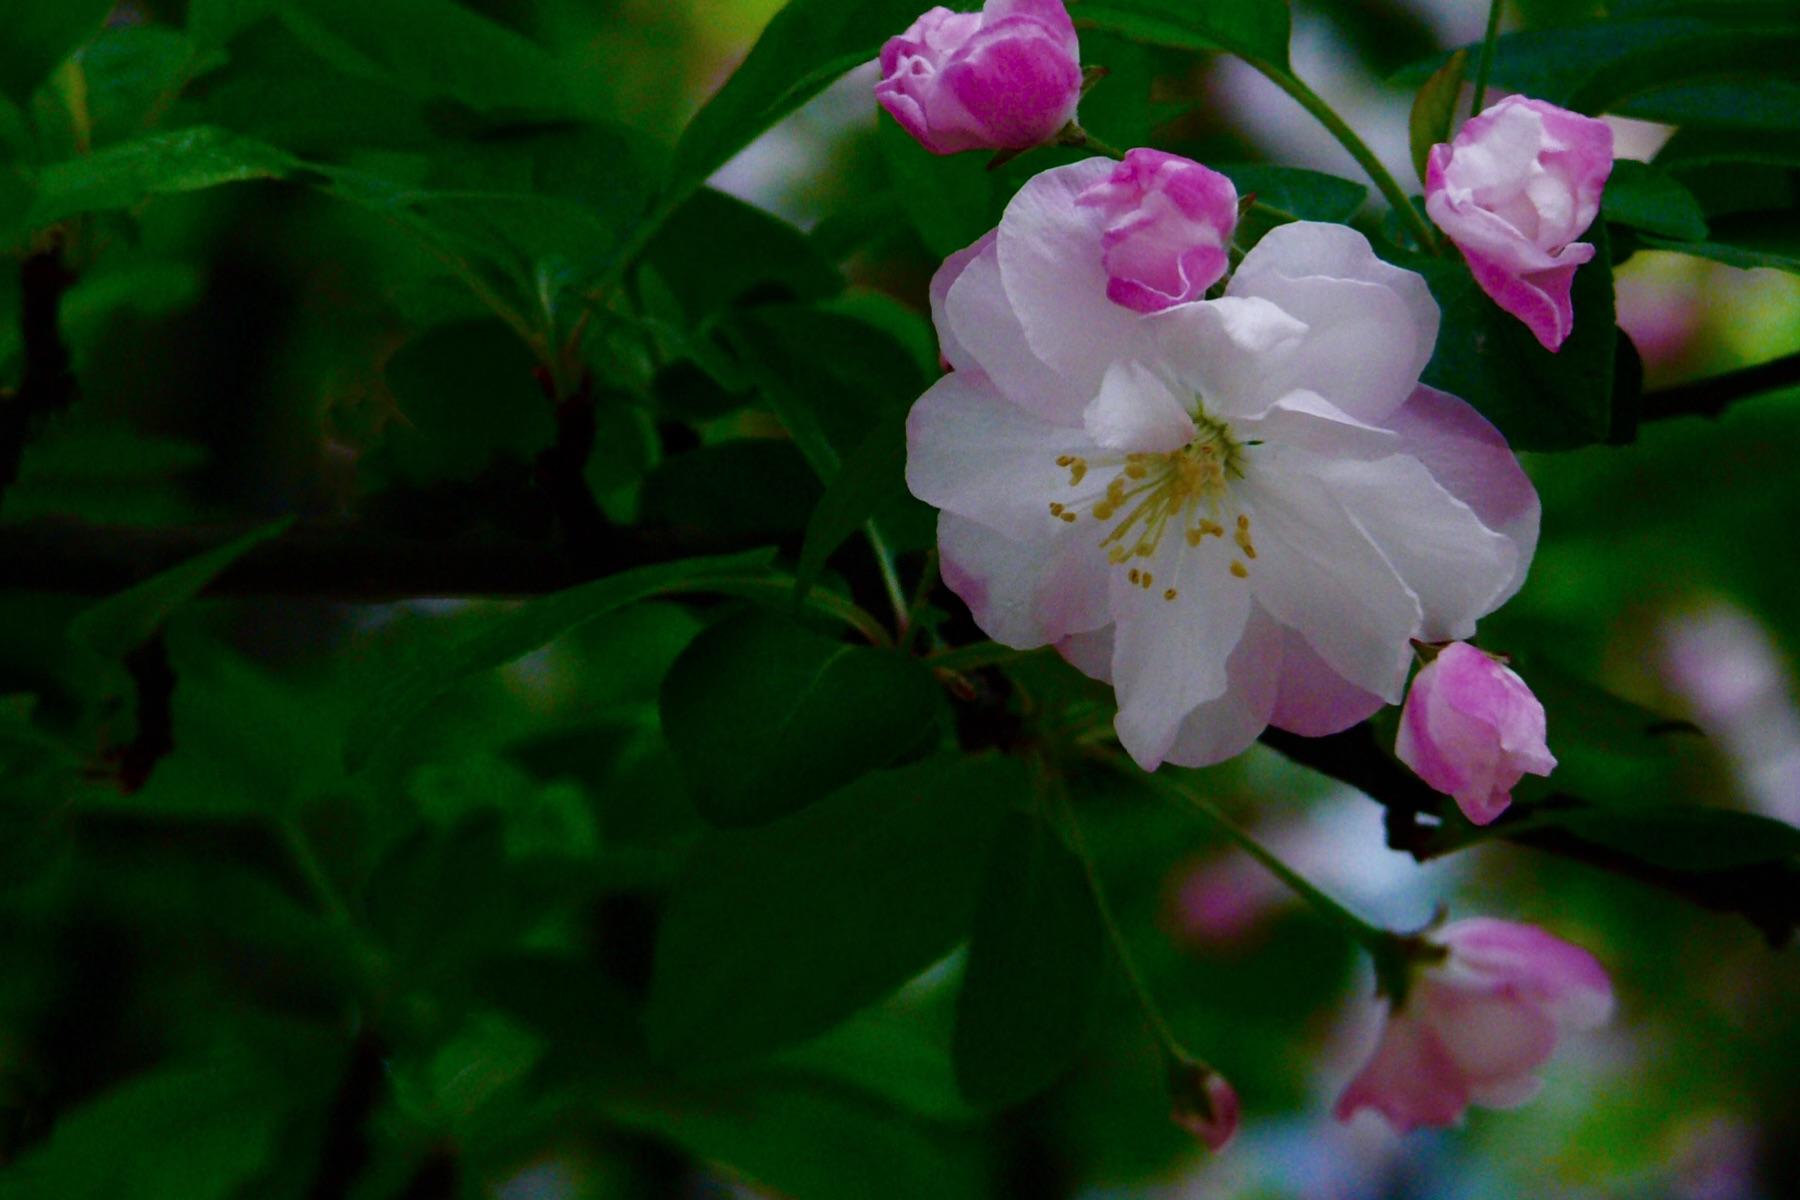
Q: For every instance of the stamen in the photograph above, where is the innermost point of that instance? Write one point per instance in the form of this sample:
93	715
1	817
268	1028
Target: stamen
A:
1170	594
1239	569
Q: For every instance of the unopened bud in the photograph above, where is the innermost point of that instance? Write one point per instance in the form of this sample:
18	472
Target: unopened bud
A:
1203	1102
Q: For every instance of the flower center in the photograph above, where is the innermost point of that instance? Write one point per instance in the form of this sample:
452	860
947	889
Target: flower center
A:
1152	492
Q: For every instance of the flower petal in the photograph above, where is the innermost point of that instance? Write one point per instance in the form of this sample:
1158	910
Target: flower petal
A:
1023	594
1136	411
1313	700
1223	349
1223	728
1410	1079
981	320
948	346
1566	979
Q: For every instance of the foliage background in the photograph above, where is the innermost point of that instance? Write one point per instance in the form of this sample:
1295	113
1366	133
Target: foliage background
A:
360	877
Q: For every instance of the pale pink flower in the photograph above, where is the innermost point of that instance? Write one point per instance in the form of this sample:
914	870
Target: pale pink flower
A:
1168	221
1513	189
1475	1026
1005	78
1204	1104
1472	729
1238	511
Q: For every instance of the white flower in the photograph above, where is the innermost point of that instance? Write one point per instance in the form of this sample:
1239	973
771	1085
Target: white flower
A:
1239	511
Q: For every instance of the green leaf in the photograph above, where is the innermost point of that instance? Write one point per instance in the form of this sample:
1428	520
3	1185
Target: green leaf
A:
746	487
1285	194
775	934
870	479
1747	241
1037	961
1434	109
1759	105
40	36
181	1132
808	44
1539	400
1646	198
164	163
715	250
118	624
403	694
1682	837
767	717
1255	29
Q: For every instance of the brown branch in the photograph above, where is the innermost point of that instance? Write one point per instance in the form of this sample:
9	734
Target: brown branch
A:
338	560
47	383
1710	397
1765	894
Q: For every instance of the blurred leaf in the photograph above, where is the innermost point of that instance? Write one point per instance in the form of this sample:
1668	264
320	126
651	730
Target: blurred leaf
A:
1289	193
182	1132
870	479
777	933
82	466
897	1050
40	36
157	164
1539	400
403	694
808	44
120	623
1681	837
466	393
1037	962
1645	198
715	249
1253	29
766	717
1760	105
1748	241
1434	109
133	73
1696	147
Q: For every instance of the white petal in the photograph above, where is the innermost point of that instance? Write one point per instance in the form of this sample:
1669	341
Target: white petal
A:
946	275
1304	248
984	327
1090	653
1223	728
1458	567
1319	573
971	451
1309	421
1169	654
1224	350
1050	262
1314	700
1137	411
1023	594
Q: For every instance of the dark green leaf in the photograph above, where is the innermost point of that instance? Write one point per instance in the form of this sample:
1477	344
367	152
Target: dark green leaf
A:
767	717
1254	29
808	44
1289	193
871	478
1434	109
1539	400
1695	147
157	164
1747	241
715	250
1682	837
777	933
1761	105
40	36
747	487
1646	198
1037	960
132	71
118	624
404	693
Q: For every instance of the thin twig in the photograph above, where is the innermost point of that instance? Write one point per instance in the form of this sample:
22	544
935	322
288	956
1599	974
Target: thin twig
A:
1710	397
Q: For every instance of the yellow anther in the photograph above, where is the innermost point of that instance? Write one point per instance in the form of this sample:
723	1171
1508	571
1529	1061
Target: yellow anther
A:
1145	582
1063	460
1194	536
1137	470
1056	509
1169	594
1239	569
1134	575
1244	522
1211	527
1070	518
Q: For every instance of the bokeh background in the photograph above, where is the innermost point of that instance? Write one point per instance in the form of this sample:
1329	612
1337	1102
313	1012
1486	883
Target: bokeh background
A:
172	976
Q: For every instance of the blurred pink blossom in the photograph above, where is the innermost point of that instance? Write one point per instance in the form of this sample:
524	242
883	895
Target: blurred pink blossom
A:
1475	1026
1471	729
1513	189
1005	78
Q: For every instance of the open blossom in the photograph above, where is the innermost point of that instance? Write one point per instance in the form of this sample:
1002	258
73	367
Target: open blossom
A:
1472	729
1514	189
1005	78
1238	511
1168	221
1476	1025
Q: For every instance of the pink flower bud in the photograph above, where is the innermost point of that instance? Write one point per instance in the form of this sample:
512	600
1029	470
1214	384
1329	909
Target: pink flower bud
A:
1203	1102
1167	222
1477	1024
1471	729
1514	189
1006	78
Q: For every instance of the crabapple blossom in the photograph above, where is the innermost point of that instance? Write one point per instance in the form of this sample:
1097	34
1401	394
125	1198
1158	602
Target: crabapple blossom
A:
1477	1023
1471	729
1237	511
1168	221
1204	1103
1513	189
1005	78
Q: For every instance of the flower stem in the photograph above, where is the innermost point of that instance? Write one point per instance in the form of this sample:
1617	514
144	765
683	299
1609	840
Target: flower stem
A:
1153	1014
1075	135
890	578
928	578
1313	103
1486	60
